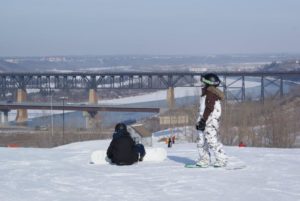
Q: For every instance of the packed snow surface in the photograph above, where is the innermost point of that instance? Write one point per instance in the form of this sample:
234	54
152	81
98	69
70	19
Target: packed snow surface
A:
64	173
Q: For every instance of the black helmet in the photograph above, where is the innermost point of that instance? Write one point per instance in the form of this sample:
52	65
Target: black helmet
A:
211	79
121	127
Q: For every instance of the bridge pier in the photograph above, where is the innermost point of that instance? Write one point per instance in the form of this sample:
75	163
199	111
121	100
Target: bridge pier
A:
4	117
92	118
22	114
171	98
5	120
1	120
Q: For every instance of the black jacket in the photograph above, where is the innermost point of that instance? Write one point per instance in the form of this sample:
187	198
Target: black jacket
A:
121	149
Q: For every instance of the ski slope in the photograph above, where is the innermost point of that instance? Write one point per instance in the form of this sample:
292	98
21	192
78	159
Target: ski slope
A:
64	174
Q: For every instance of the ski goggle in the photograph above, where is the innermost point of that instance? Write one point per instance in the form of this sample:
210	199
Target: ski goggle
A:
209	82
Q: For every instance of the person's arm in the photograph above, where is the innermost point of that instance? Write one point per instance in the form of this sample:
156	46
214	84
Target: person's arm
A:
132	142
201	104
109	151
210	101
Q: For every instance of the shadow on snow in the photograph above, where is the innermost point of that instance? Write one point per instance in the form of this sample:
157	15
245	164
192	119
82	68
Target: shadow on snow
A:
183	160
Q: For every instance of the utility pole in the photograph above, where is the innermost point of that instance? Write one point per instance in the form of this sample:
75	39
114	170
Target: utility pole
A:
63	98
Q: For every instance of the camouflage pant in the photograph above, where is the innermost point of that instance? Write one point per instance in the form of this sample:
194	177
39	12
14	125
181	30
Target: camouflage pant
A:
208	140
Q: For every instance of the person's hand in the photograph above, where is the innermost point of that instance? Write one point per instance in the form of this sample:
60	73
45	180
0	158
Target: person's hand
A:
201	125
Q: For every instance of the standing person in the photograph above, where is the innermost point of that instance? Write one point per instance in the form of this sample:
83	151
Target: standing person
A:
169	142
122	149
208	122
173	139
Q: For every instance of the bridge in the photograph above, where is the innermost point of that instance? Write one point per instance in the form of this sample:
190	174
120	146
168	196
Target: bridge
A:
234	84
78	107
120	80
91	109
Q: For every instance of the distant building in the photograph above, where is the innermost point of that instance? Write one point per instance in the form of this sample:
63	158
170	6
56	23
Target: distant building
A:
140	134
56	59
198	69
175	118
14	61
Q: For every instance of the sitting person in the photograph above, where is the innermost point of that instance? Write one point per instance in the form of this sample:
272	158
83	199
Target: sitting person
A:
242	144
122	149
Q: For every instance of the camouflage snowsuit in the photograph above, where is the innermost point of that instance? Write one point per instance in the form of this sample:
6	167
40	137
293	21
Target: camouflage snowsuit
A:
210	110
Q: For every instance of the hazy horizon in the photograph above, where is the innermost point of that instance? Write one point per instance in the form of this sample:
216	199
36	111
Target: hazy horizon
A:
143	27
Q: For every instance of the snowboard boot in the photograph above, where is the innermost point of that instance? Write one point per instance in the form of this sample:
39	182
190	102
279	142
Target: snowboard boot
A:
203	163
141	158
220	163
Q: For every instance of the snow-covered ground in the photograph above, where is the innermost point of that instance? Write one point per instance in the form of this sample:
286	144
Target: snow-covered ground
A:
64	174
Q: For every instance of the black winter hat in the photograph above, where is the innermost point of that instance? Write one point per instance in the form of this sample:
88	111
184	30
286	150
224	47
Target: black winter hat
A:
120	127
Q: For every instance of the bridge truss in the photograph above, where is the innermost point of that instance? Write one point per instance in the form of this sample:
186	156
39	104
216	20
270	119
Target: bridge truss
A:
238	86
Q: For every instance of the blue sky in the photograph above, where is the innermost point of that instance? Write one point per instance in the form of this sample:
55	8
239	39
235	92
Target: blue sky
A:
109	27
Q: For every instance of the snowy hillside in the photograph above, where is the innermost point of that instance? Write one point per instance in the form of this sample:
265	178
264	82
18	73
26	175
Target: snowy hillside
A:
64	174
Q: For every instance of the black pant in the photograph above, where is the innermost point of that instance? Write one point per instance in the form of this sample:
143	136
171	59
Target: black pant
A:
140	149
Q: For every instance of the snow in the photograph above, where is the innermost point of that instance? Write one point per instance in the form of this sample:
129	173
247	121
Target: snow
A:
179	92
64	173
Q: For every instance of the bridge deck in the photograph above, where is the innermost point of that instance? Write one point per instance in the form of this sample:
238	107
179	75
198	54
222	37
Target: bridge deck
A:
78	107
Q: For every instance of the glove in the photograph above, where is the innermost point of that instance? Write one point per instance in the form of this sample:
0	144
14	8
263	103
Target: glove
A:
201	125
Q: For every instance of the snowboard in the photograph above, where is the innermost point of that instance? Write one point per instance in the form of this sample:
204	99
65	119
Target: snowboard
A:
233	164
153	154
